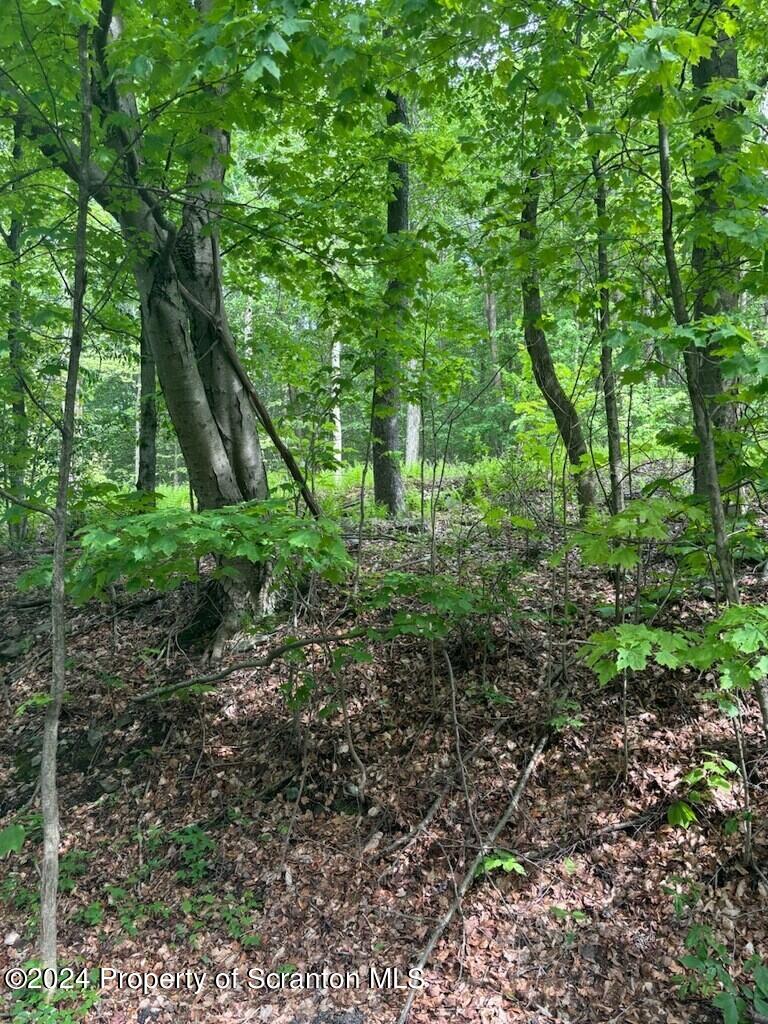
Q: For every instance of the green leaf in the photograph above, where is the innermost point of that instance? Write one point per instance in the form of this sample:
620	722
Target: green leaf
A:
681	813
500	859
262	63
277	43
725	1002
12	839
760	974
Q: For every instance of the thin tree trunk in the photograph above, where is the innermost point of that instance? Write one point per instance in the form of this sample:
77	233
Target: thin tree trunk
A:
699	407
562	408
489	305
413	427
18	455
49	879
338	449
146	477
610	397
248	329
387	480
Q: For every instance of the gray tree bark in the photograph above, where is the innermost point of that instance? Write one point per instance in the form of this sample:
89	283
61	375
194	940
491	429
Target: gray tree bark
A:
338	448
17	456
714	267
146	475
413	427
562	408
49	874
491	321
385	434
197	261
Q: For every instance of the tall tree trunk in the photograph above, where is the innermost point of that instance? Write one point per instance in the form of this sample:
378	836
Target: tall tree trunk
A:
387	480
49	875
167	328
712	263
413	426
248	329
198	263
699	406
338	448
146	476
18	454
561	406
489	305
610	396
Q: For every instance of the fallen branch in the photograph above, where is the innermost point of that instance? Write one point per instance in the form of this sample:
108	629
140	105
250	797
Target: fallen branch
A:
265	662
419	827
558	850
469	877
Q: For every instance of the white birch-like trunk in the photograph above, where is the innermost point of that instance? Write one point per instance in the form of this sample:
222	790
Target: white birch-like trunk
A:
413	426
338	450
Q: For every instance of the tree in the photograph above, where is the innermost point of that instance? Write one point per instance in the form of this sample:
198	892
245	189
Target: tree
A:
608	378
17	453
387	479
49	874
713	260
178	272
146	470
562	408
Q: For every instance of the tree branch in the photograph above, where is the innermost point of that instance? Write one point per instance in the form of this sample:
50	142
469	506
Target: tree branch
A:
265	662
14	500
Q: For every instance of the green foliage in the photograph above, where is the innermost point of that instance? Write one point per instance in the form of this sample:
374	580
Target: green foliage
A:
631	647
711	976
736	646
619	540
684	892
500	860
36	1006
443	603
564	914
195	851
12	839
161	549
706	779
681	813
566	715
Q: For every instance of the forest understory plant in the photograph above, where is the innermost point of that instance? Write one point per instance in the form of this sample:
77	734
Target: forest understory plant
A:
408	361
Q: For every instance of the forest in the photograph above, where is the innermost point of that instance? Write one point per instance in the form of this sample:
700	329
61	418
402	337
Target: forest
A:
384	492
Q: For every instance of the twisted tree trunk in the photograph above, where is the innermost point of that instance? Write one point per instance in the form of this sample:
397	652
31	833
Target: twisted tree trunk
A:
562	408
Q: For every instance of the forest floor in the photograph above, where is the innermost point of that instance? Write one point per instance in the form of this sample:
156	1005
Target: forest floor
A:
221	832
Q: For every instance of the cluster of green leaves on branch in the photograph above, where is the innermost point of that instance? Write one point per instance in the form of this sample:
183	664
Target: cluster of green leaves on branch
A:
163	549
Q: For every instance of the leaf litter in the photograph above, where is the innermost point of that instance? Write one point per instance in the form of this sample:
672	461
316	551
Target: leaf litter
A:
228	831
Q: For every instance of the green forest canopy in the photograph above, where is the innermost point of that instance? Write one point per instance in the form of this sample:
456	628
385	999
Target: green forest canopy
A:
382	259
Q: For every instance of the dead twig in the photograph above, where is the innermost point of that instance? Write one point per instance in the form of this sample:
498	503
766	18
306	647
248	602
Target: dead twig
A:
265	662
415	832
469	877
